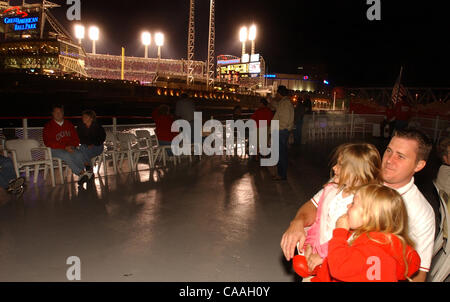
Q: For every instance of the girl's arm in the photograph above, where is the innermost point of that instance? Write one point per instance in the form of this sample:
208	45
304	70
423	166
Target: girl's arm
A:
344	261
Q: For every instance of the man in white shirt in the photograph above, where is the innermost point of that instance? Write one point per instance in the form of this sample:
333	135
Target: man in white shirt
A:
405	155
285	116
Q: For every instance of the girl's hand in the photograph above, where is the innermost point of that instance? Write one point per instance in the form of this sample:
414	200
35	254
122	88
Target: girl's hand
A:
313	261
342	222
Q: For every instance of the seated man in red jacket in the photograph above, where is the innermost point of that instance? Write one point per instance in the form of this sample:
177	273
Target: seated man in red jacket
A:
164	121
61	136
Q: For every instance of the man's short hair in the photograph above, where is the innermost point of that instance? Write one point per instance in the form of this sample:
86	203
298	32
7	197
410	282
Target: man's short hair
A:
421	138
59	106
90	113
283	90
443	147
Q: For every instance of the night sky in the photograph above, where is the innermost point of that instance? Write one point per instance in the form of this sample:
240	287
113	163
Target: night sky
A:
357	52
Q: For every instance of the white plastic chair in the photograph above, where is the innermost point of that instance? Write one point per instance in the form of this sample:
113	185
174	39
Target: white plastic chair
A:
21	150
126	148
160	152
359	125
441	261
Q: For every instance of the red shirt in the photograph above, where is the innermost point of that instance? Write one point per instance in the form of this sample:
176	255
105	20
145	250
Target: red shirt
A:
354	263
163	126
60	137
262	114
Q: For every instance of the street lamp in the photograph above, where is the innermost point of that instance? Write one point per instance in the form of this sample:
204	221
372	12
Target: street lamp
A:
93	35
146	40
243	38
79	32
252	37
159	40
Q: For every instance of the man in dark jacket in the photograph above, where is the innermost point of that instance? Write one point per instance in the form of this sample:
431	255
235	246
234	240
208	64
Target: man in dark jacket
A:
92	136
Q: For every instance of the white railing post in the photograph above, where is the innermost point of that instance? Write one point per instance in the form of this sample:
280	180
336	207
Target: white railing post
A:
351	126
436	128
25	128
114	126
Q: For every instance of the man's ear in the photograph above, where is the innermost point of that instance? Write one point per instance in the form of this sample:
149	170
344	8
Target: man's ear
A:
420	165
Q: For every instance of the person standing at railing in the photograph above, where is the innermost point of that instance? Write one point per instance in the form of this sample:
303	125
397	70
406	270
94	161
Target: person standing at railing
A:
92	136
61	137
184	109
285	115
263	113
164	121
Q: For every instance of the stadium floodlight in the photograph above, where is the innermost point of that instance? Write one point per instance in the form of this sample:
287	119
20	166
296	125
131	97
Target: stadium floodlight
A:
243	38
159	40
252	33
146	40
243	34
252	37
79	32
94	35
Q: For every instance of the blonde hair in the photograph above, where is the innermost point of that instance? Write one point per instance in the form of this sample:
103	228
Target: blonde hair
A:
383	210
360	165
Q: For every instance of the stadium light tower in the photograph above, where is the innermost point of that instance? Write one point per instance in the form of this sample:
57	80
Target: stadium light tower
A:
252	37
93	35
79	32
159	40
146	40
243	38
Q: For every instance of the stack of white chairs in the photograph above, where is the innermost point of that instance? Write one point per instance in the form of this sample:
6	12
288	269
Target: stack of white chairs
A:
440	269
157	152
22	157
128	148
359	124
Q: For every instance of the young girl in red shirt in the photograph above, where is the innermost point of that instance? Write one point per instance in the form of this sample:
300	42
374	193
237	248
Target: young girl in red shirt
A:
378	248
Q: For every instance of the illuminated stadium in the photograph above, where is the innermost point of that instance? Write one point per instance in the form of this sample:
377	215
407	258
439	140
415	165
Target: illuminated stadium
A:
38	43
33	40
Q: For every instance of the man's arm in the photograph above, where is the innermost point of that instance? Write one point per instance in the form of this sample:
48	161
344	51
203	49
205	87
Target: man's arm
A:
296	232
421	276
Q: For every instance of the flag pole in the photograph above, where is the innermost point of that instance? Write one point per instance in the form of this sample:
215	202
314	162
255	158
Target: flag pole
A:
399	83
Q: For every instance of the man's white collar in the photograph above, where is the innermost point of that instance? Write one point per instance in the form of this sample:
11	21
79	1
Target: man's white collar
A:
403	190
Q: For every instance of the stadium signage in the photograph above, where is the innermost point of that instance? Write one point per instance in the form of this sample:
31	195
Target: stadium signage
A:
22	23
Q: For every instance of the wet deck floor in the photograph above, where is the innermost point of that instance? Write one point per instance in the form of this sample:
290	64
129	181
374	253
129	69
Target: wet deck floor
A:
210	220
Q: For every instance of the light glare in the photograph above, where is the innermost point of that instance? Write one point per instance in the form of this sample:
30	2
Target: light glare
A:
243	34
159	39
94	33
79	31
252	33
146	38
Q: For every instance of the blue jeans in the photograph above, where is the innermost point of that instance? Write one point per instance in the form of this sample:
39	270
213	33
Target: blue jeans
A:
7	172
283	161
166	143
298	132
89	153
74	160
